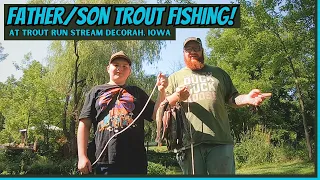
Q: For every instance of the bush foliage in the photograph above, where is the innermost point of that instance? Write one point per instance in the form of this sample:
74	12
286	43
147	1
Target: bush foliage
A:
257	146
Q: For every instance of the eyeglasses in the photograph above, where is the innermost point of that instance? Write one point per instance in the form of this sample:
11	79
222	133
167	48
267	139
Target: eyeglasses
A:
190	49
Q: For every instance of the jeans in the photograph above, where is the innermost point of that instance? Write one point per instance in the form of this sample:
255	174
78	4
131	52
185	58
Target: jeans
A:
209	159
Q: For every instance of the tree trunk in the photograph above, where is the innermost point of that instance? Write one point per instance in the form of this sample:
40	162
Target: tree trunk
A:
301	103
48	125
64	116
66	133
28	123
73	141
300	97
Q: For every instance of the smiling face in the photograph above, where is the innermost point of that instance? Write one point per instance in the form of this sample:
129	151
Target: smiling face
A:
193	55
119	71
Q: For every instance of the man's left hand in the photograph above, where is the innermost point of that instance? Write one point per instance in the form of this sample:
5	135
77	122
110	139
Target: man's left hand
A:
255	97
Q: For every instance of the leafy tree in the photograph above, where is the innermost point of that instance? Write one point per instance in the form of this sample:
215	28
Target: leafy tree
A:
2	56
28	103
273	51
2	121
77	66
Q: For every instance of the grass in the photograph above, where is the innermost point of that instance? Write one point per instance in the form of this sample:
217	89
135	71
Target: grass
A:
158	149
286	168
291	168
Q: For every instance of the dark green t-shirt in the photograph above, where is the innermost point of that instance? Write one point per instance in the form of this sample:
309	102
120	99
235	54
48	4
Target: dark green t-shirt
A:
210	89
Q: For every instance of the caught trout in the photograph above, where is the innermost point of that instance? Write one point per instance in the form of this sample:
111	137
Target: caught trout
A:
172	126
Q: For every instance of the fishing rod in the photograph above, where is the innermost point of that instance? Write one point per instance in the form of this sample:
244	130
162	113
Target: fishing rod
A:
125	127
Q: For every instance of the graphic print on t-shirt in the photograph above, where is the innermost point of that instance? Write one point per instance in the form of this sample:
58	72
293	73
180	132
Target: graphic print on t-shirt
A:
201	86
120	116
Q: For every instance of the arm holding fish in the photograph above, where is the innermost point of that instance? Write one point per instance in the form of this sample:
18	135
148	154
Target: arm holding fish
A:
254	98
181	94
162	83
173	96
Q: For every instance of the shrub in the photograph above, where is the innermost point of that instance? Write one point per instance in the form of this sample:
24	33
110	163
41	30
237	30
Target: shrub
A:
15	162
2	161
68	167
259	146
43	166
156	169
254	148
173	170
302	151
164	158
159	157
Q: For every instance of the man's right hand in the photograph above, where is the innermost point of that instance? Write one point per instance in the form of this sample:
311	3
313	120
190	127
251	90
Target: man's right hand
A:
183	93
84	165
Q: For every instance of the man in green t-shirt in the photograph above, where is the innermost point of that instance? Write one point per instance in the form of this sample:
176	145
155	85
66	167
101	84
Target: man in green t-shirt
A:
203	91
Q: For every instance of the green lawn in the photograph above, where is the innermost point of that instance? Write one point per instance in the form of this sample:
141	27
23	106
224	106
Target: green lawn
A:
287	168
283	169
